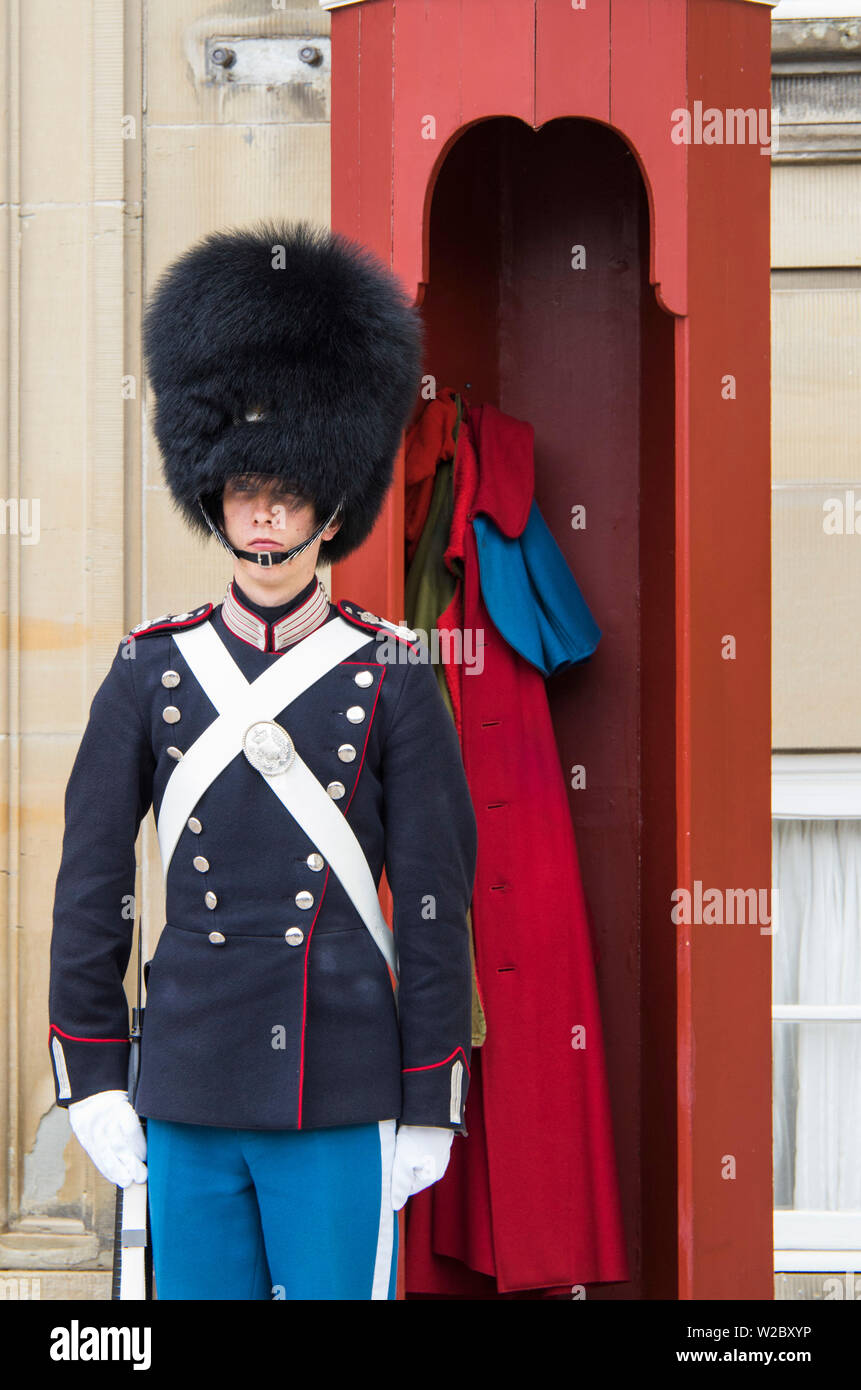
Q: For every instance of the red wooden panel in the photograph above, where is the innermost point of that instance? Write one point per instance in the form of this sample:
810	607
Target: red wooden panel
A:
456	61
724	1024
647	65
345	127
364	165
497	45
572	60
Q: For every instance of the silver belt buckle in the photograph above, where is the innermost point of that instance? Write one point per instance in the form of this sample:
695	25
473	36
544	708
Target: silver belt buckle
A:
268	747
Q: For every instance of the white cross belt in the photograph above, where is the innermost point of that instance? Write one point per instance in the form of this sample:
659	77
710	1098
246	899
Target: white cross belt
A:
241	703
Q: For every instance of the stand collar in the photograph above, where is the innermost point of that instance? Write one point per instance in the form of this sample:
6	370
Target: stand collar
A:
301	620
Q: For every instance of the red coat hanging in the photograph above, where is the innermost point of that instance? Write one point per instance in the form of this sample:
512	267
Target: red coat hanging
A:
530	1199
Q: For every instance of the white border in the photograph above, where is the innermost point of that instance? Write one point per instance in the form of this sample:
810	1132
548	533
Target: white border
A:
818	1242
816	786
817	9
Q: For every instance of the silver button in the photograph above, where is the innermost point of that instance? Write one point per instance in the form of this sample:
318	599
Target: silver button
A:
200	863
355	714
346	752
181	617
315	861
210	899
304	898
336	790
175	753
194	825
363	678
217	938
170	714
170	679
294	936
368	617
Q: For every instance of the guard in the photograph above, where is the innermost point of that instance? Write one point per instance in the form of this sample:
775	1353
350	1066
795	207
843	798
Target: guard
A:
303	1068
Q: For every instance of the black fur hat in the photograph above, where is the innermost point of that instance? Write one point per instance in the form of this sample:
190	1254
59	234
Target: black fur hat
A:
286	349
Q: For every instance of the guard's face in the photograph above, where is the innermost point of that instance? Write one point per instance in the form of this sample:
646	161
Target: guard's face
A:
260	514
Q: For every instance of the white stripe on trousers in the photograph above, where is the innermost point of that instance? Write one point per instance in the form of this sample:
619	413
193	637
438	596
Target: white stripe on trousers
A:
388	1217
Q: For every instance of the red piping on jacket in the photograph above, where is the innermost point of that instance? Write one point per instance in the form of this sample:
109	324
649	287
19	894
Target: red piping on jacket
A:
430	1066
54	1029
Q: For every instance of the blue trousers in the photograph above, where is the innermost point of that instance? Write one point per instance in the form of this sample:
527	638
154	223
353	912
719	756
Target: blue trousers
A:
272	1214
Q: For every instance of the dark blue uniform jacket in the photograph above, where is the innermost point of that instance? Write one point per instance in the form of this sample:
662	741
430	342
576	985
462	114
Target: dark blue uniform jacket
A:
263	1030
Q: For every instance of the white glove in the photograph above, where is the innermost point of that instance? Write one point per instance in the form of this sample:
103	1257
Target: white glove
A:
422	1153
108	1129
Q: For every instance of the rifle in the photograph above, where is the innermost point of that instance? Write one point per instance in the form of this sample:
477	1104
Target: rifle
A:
132	1273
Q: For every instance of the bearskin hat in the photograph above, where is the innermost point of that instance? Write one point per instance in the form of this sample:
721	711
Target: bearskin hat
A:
283	349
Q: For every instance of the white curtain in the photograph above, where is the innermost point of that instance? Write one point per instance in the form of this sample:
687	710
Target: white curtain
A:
816	865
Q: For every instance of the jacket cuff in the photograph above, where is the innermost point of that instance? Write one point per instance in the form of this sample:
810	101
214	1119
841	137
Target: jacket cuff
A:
83	1066
436	1094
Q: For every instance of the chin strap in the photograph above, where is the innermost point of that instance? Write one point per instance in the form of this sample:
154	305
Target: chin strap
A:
267	557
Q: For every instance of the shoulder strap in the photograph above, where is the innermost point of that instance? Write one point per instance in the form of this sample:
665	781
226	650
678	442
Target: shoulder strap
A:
170	622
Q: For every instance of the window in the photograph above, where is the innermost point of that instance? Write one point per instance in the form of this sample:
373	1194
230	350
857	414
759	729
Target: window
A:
816	867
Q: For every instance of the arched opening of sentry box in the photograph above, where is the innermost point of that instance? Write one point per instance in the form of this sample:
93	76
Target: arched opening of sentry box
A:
538	301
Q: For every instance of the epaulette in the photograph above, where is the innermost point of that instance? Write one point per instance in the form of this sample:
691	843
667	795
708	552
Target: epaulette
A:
168	621
363	618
